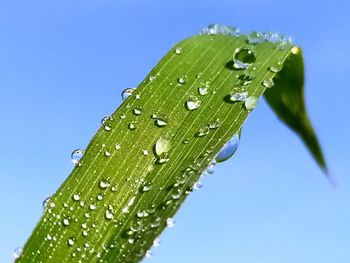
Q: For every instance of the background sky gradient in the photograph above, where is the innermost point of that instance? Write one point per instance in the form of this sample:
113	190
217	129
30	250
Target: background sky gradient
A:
63	65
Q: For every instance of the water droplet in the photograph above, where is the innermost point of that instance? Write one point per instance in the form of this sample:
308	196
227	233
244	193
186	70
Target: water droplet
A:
154	116
193	103
122	116
148	253
107	153
145	152
46	202
84	226
170	222
104	119
146	187
182	80
162	146
138	96
202	132
163	158
197	185
76	197
276	68
214	124
104	184
160	122
48	237
215	29
84	233
108	214
243	57
178	50
117	146
107	128
268	83
238	96
17	252
255	38
127	93
156	242
228	150
71	241
295	50
137	111
203	90
250	103
151	78
65	222
210	169
92	207
132	126
76	156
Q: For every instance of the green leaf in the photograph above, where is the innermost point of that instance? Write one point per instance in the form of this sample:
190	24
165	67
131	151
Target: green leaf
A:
287	100
144	160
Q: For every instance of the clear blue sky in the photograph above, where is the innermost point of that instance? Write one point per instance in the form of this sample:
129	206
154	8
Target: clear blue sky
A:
63	65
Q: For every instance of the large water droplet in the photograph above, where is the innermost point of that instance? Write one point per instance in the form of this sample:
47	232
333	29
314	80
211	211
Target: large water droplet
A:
108	214
243	57
250	103
162	146
104	184
238	96
193	103
127	93
77	155
17	252
228	150
71	241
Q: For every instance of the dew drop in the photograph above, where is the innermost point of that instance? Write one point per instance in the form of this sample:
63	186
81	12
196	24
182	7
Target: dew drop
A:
228	150
76	197
203	132
250	103
163	158
178	50
92	207
156	242
210	169
65	222
17	252
203	90
214	125
137	111
268	83
76	156
145	152
162	146
122	116
84	233
170	222
46	202
295	50
132	126
255	38
215	29
160	122
193	103
71	241
104	184
238	96
108	214
104	119
107	128
148	253
197	185
138	96
152	78
127	93
182	80
107	153
276	68
243	57
146	187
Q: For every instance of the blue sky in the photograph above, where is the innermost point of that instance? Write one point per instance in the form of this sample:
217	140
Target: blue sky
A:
63	65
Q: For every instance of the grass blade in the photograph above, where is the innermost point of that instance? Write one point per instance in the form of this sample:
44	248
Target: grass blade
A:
142	163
